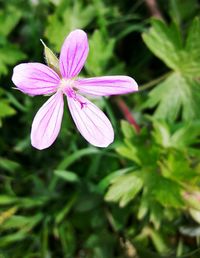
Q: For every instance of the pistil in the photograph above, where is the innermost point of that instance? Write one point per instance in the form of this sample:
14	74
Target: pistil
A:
67	86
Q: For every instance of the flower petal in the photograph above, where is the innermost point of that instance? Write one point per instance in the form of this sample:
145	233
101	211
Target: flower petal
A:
107	85
35	78
73	53
92	123
47	122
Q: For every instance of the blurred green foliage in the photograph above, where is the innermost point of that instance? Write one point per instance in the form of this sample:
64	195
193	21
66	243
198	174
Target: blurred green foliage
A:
141	196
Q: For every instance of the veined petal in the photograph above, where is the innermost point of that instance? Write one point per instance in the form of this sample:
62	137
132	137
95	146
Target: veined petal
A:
47	122
107	85
73	53
35	79
92	123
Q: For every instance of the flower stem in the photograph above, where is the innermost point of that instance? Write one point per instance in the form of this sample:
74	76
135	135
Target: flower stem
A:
154	9
127	113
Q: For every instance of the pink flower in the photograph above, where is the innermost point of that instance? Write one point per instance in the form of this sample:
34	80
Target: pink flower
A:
39	79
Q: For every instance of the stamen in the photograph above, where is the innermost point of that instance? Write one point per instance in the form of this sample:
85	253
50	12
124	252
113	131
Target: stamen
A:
67	86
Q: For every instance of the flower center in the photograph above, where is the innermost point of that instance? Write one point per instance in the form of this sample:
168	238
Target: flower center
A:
67	86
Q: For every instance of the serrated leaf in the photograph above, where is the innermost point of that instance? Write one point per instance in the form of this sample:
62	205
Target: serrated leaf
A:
192	47
163	190
96	63
67	18
177	94
103	184
186	135
165	42
178	168
124	188
161	133
129	152
127	130
180	92
182	137
167	193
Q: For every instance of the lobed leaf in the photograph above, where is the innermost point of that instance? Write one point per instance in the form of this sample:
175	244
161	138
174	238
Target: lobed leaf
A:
124	188
177	95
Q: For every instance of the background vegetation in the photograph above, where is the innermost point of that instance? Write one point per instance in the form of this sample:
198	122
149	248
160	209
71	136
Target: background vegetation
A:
141	196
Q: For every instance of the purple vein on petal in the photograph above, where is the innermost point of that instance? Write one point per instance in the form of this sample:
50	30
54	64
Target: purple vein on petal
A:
75	113
71	66
54	100
96	128
52	107
47	122
78	63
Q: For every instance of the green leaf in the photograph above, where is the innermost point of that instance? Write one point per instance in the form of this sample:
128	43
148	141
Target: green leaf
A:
165	42
7	199
127	130
22	223
16	222
182	137
6	109
158	241
9	17
104	183
186	135
163	190
96	63
7	214
182	10
130	152
192	63
124	188
9	55
177	94
161	133
12	238
180	92
9	165
67	18
168	193
178	168
68	176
